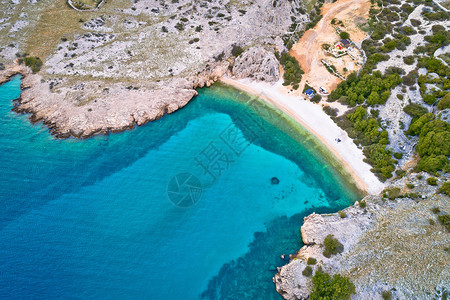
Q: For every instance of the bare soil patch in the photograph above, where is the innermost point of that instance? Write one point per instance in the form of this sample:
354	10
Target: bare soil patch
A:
308	50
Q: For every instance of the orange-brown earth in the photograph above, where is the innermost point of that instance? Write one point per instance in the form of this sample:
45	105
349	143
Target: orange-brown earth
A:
308	50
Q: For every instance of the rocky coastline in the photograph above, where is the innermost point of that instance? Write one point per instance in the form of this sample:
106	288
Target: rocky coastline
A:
390	243
118	67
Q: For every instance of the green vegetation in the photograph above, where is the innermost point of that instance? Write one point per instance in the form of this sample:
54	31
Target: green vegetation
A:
362	203
236	51
307	271
445	220
409	60
344	35
386	295
436	210
367	132
415	111
333	112
311	261
445	188
391	193
292	70
444	103
332	246
316	98
342	214
34	62
398	155
327	287
432	181
434	142
375	89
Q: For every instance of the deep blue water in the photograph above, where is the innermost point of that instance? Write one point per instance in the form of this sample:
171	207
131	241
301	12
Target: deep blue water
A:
181	208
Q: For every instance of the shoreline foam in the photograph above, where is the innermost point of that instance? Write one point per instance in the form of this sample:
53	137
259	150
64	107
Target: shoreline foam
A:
316	121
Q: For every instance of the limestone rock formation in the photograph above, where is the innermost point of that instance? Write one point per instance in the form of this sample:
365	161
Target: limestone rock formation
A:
257	63
395	244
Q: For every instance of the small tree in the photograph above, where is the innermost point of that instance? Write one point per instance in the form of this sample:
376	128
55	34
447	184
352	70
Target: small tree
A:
332	246
327	287
34	62
344	35
307	271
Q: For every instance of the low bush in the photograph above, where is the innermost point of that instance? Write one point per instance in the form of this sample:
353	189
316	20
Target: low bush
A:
445	220
435	210
432	181
292	70
307	271
445	188
344	35
332	246
386	295
444	103
362	203
333	112
236	50
311	261
398	155
342	214
392	193
327	287
34	62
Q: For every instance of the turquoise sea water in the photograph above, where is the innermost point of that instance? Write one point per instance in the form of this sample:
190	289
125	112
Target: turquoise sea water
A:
181	208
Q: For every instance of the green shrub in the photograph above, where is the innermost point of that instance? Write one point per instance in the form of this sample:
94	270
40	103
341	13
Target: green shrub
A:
419	177
431	221
432	181
307	271
415	110
316	98
436	210
292	70
409	60
34	62
327	287
398	155
444	103
392	193
342	214
333	112
445	220
445	188
410	185
400	173
236	51
386	295
344	35
311	261
362	203
332	246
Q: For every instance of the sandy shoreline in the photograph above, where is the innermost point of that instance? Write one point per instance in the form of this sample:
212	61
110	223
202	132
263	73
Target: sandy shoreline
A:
315	120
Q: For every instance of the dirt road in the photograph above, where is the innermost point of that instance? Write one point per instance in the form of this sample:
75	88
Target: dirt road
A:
308	50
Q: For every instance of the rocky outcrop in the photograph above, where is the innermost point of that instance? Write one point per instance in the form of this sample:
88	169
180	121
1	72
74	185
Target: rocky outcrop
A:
257	63
120	66
389	244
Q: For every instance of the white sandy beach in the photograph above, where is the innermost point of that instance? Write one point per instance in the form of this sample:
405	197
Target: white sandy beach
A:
314	119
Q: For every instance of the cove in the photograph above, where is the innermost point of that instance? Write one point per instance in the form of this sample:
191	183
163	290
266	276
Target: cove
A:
180	208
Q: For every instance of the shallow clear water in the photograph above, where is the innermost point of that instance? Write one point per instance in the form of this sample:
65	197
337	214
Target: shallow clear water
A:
181	208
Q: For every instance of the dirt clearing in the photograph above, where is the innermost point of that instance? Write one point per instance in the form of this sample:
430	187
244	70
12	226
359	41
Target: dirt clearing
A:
347	15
